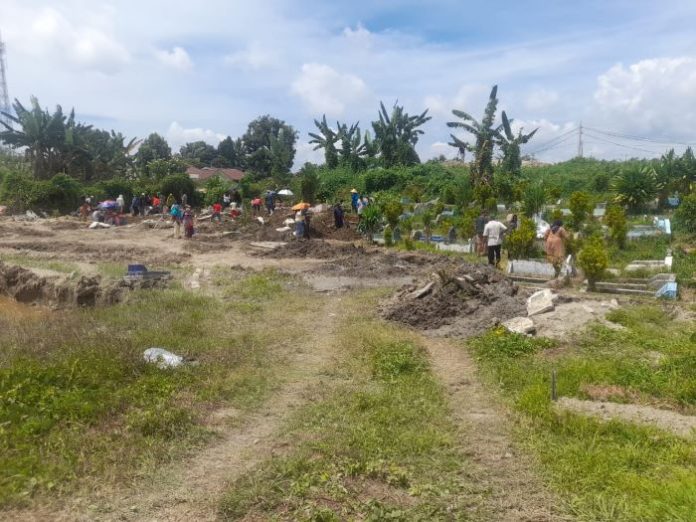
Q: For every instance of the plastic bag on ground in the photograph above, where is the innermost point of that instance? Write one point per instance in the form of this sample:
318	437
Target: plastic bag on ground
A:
162	358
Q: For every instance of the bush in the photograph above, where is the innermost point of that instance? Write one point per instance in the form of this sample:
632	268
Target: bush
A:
17	191
593	260
391	208
520	242
309	183
615	219
533	199
215	188
370	221
685	215
388	236
580	204
177	184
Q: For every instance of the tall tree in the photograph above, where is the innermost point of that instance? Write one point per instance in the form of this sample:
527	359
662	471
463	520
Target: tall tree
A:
353	149
199	153
42	134
486	137
510	144
396	135
231	151
259	157
154	147
326	139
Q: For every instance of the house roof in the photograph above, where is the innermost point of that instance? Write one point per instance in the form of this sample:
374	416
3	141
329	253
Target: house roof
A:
203	174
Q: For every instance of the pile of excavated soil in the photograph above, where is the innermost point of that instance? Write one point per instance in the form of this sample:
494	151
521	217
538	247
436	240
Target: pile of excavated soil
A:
462	302
355	260
27	286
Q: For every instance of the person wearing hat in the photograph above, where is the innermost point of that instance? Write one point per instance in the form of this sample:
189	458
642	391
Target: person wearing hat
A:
354	199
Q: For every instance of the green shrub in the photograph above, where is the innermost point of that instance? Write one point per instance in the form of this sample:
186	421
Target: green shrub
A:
391	208
533	199
309	183
388	236
685	215
178	184
593	260
615	219
520	242
370	221
580	204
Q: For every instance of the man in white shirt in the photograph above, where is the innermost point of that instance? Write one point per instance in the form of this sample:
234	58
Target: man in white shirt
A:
493	234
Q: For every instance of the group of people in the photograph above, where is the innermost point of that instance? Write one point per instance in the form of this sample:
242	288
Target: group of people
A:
358	203
491	232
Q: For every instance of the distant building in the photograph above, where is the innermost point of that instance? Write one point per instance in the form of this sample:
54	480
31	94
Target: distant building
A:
200	175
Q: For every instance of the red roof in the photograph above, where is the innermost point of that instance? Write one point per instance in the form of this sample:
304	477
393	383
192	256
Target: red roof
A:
197	174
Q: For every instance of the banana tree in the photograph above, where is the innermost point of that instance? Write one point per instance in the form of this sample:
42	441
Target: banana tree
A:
41	133
397	134
486	136
326	139
510	145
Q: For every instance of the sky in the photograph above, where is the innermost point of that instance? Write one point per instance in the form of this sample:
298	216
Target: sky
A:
203	70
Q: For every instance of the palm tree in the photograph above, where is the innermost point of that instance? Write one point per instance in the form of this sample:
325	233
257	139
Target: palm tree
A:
486	138
635	186
326	140
510	144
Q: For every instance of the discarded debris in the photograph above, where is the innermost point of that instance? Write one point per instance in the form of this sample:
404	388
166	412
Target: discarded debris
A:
520	325
541	302
162	358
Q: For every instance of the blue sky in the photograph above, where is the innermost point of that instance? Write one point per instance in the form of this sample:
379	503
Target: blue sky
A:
203	70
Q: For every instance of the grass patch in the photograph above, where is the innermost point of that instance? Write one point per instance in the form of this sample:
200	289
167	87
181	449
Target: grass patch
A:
78	403
379	448
45	264
638	249
615	470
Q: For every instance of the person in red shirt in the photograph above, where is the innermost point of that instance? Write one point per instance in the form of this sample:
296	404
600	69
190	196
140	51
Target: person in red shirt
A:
217	212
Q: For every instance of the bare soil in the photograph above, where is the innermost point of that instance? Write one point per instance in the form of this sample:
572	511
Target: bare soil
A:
667	420
27	286
462	302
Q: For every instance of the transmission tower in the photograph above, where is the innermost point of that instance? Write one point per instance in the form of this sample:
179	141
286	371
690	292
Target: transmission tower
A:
580	151
4	95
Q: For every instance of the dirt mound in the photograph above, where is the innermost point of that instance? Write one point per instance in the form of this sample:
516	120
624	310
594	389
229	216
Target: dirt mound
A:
26	286
472	297
317	249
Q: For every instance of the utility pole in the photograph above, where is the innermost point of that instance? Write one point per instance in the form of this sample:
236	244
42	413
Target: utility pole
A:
580	141
4	95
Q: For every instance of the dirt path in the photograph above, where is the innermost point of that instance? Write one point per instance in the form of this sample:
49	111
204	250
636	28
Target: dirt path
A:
191	489
513	491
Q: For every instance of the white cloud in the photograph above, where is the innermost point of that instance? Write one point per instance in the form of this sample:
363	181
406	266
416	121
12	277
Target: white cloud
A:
254	57
177	136
177	58
47	32
326	91
441	148
305	152
650	96
541	99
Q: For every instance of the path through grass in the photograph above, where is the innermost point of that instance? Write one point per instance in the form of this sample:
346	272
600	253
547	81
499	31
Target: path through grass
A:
606	471
380	445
